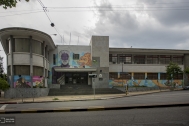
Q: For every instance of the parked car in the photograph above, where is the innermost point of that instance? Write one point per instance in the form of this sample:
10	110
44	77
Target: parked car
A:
186	88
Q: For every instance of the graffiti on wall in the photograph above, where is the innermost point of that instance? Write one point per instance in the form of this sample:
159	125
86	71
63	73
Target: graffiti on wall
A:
22	81
147	83
38	81
84	60
64	58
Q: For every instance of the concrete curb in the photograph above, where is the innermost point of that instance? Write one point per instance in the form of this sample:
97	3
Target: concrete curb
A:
100	108
85	99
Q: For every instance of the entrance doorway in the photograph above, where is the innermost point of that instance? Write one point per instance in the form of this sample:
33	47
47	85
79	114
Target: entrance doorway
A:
76	78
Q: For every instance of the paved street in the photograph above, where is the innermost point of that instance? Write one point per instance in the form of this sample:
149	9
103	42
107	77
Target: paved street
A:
157	98
173	116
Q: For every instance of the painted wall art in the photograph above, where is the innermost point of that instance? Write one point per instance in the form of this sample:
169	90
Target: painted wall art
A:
22	81
38	81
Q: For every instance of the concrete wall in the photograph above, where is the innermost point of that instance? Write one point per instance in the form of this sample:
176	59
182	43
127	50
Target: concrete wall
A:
100	60
139	68
26	92
37	60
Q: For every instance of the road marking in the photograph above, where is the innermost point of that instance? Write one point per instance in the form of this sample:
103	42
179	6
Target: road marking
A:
3	107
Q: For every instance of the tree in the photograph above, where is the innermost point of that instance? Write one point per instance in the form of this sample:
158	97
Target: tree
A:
1	67
9	3
3	77
186	70
3	84
172	70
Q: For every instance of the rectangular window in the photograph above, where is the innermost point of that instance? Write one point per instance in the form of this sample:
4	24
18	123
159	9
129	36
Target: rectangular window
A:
76	56
121	58
21	70
165	59
139	76
128	59
110	57
152	59
125	75
178	59
22	45
37	71
114	58
178	76
54	59
113	75
139	59
163	76
152	76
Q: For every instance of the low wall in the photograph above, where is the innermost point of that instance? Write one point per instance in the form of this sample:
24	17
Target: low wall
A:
26	92
135	89
54	86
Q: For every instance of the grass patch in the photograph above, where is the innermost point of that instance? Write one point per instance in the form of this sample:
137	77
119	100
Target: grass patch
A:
55	99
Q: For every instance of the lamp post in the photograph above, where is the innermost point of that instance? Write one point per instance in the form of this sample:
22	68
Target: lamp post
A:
122	66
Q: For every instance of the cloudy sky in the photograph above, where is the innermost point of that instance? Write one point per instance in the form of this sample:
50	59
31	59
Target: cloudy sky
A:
137	23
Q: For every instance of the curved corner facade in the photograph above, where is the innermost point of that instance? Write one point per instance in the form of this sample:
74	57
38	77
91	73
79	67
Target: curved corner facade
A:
27	53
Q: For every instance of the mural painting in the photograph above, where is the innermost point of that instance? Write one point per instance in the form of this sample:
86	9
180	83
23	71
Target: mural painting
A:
64	58
22	81
38	81
84	60
147	83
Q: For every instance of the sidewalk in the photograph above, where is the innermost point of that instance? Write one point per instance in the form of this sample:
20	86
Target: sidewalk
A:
75	97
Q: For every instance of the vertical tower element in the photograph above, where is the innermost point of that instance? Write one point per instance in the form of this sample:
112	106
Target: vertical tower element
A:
100	52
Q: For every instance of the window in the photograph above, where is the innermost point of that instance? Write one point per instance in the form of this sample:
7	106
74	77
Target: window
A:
163	76
37	71
54	59
21	45
110	57
125	75
114	58
139	59
152	76
76	56
113	75
139	76
178	59
121	58
21	70
178	76
128	59
152	59
36	47
165	59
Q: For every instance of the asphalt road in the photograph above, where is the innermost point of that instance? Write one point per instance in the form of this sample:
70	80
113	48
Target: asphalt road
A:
156	98
173	116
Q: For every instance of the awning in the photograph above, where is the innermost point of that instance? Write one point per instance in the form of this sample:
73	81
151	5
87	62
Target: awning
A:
61	69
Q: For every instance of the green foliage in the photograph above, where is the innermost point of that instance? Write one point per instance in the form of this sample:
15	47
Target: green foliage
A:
172	70
3	84
186	70
9	3
55	99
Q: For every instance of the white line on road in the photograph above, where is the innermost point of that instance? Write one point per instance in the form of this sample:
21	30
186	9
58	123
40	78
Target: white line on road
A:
3	107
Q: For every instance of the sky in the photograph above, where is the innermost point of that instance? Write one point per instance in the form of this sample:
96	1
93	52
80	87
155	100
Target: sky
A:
128	23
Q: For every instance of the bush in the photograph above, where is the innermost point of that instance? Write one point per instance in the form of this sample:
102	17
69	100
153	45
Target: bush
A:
4	84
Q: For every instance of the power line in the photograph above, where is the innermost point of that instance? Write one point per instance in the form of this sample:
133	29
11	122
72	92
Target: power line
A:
45	10
21	14
21	11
